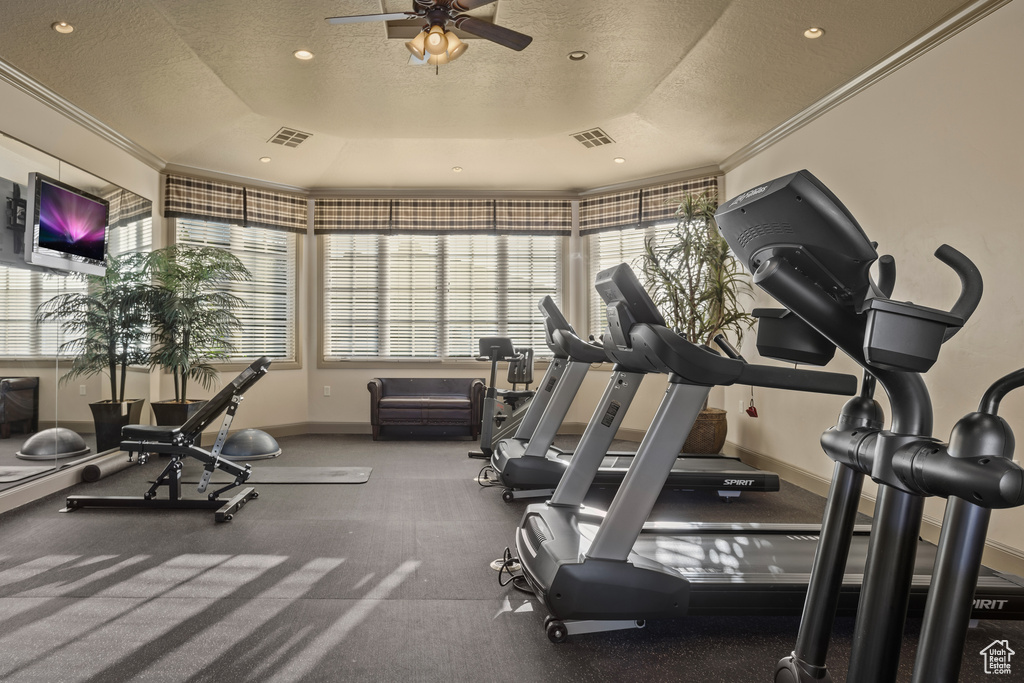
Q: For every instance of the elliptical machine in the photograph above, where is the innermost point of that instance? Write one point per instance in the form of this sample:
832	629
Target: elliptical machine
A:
808	252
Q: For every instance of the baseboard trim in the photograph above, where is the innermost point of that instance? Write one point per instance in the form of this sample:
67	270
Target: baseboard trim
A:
997	555
80	427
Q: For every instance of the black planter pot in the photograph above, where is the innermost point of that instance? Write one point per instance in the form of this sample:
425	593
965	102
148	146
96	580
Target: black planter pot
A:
110	416
174	413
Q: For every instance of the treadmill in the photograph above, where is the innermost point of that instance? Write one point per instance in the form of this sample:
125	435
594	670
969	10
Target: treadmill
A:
605	572
529	466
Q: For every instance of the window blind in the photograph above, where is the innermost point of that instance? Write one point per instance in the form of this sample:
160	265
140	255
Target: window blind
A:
411	295
618	235
22	291
268	319
609	249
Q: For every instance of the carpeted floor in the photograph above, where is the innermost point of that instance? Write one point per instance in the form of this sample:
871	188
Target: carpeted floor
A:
382	581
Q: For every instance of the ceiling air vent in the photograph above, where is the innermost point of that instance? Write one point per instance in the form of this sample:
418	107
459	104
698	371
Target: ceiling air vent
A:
594	137
289	137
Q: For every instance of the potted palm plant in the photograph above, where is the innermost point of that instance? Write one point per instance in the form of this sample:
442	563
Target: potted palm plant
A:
192	317
697	286
108	325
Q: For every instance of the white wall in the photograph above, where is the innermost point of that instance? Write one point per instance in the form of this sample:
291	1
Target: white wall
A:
933	153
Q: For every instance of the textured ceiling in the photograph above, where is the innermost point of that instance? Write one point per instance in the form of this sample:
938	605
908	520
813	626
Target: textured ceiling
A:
678	84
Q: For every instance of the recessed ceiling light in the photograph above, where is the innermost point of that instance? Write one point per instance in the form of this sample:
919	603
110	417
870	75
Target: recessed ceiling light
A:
620	160
265	160
814	32
303	54
456	169
577	56
62	27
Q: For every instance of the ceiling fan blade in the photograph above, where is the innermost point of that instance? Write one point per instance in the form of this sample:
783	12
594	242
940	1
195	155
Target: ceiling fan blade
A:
466	5
492	32
370	17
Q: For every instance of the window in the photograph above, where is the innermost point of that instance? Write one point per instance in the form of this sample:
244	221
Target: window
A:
618	224
609	249
411	295
268	321
22	291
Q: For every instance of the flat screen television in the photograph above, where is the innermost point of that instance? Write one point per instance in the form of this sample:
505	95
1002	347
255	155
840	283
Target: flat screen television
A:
66	228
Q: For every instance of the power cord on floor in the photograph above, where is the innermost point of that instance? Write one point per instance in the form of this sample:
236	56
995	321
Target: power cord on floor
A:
511	566
484	477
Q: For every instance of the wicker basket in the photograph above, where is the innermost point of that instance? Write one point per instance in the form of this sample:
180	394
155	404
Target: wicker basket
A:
708	433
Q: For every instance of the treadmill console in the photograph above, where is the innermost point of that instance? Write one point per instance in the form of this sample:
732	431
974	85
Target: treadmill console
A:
627	301
797	218
553	318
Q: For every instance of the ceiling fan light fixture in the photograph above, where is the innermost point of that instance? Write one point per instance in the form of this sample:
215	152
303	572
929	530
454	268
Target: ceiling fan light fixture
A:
436	43
416	45
455	46
435	60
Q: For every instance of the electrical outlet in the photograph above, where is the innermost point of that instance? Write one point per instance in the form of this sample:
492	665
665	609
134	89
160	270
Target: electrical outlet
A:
81	390
327	390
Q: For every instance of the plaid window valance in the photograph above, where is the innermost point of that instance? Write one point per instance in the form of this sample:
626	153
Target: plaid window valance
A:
661	201
442	215
639	208
203	199
533	216
275	210
610	212
351	215
127	207
345	215
213	200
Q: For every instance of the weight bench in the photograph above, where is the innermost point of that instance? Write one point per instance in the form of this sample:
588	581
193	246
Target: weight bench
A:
179	442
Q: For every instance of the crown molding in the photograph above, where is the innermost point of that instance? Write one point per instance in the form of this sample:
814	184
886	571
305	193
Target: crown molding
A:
938	34
679	176
425	193
208	174
25	83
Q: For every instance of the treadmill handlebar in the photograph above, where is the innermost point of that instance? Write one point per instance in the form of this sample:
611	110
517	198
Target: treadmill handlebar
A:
577	349
668	352
798	380
886	275
727	347
971	285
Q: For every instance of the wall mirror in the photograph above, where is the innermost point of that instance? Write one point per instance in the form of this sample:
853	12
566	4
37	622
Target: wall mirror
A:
46	424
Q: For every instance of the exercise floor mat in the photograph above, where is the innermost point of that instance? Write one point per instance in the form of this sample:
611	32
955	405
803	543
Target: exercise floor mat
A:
294	475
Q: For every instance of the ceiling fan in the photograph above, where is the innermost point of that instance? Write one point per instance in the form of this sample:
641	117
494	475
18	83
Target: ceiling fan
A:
437	43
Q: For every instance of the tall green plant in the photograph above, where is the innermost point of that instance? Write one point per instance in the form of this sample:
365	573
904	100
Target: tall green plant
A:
692	277
193	313
108	322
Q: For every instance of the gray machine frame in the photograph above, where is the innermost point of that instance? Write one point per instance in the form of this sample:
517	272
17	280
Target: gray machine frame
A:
530	467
